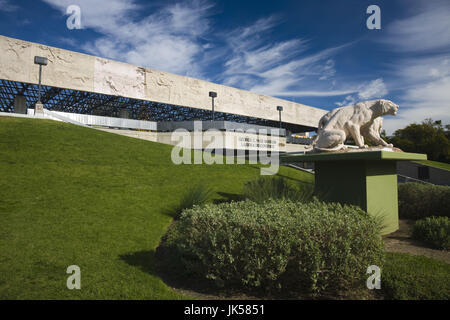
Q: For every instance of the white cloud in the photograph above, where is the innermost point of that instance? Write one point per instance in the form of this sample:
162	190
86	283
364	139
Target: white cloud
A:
7	6
426	93
374	89
417	71
424	81
311	93
283	68
249	37
349	100
168	39
251	51
366	91
428	29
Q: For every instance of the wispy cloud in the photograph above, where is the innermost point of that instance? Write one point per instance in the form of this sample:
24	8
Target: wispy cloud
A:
322	93
366	91
7	6
424	81
283	68
252	53
426	30
168	39
426	93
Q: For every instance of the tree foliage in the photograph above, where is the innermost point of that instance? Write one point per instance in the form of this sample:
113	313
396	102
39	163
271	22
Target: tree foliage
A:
429	137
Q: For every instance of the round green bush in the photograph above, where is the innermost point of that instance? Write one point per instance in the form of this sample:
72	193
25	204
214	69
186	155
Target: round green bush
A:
434	231
304	248
419	200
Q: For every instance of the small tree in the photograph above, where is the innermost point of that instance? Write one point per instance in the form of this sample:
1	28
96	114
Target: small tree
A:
429	137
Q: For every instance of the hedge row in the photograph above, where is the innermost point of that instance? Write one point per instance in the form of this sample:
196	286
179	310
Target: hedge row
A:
417	200
435	231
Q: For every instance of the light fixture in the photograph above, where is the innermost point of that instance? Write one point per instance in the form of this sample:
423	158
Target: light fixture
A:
213	95
280	108
41	61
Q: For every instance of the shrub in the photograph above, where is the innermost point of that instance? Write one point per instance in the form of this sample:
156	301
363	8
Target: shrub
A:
304	248
198	195
418	200
265	188
408	277
434	231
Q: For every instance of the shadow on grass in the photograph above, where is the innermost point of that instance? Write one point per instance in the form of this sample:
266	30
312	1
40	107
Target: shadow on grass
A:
296	180
144	260
175	210
228	197
284	176
171	211
157	263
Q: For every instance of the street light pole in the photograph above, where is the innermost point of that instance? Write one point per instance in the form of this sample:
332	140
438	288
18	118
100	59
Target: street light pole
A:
41	61
213	95
280	108
40	76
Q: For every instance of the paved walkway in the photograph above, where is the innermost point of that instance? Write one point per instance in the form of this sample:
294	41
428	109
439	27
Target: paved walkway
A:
400	241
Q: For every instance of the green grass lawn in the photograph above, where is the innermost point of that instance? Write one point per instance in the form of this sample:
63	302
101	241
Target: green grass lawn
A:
78	196
436	164
408	277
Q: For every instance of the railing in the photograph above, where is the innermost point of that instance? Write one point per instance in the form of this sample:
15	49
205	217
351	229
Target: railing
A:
409	179
110	122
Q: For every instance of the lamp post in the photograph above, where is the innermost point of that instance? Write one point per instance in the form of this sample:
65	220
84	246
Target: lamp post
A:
213	95
280	108
41	61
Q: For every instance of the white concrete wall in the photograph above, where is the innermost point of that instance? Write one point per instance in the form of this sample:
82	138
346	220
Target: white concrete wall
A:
436	175
77	71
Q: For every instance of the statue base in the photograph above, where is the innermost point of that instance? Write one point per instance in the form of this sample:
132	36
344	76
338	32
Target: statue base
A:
367	179
346	149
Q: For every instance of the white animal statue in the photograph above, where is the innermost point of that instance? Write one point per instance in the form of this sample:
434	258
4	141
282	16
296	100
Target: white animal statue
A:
360	121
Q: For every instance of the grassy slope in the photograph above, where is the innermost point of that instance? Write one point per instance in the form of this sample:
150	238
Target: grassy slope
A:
436	164
71	195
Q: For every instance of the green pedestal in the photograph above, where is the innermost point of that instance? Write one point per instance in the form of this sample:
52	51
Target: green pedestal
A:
367	179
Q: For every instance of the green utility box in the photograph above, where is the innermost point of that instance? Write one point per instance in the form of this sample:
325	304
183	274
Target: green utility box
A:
364	178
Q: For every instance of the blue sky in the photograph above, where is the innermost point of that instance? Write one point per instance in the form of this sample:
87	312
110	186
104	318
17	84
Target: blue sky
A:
318	53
